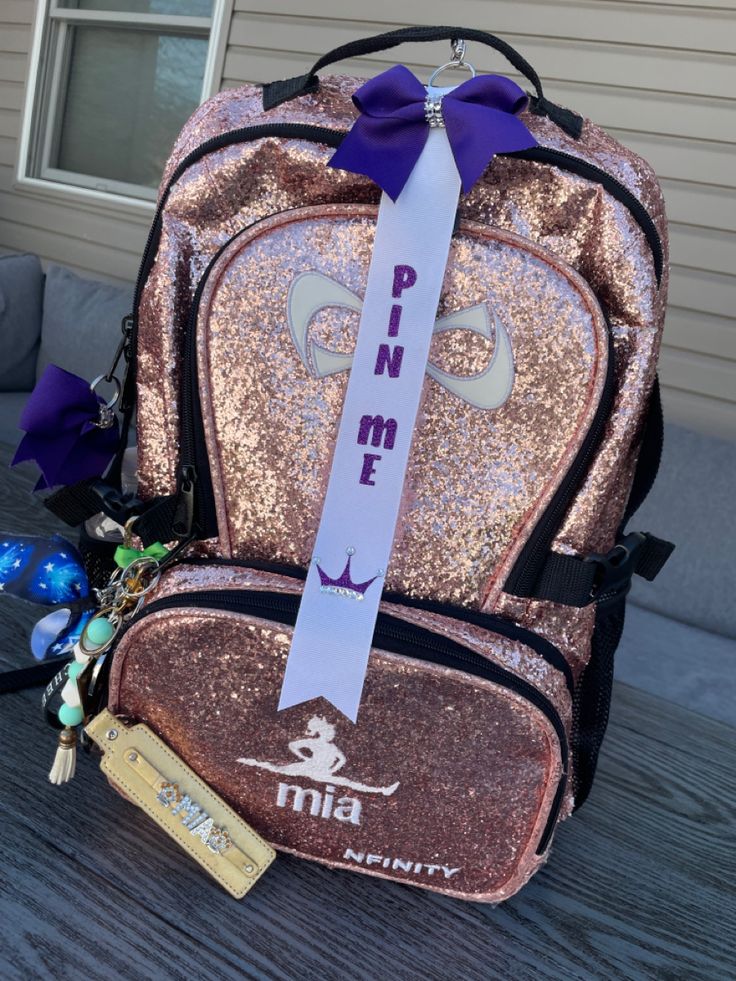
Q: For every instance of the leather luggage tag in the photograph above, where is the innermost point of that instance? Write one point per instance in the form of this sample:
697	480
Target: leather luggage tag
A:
163	786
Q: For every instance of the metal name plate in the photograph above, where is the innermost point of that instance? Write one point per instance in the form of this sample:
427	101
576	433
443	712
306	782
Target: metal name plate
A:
163	786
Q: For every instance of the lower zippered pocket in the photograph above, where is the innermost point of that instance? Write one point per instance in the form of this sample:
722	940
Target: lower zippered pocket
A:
453	777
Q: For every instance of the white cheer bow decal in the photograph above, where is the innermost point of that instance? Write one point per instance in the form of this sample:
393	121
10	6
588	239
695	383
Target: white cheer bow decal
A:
311	292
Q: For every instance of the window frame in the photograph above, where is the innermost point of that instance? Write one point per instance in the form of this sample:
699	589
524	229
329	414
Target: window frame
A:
44	96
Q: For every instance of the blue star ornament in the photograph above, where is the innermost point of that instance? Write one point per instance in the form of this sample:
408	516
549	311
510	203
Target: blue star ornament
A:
15	554
49	571
43	570
59	577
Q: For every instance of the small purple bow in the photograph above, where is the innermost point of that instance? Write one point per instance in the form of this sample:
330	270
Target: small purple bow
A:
386	140
61	436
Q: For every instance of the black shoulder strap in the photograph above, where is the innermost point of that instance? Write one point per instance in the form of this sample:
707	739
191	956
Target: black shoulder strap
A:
32	676
650	455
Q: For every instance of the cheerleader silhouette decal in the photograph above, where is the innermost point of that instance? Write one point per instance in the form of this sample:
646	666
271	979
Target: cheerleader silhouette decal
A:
318	759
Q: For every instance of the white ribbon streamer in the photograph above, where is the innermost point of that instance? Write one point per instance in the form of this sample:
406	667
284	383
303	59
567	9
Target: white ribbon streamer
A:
336	620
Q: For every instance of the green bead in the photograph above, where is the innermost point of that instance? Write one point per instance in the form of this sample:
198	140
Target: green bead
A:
98	632
69	716
73	670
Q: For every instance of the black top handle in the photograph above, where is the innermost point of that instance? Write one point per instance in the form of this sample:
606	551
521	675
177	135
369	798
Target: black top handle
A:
275	93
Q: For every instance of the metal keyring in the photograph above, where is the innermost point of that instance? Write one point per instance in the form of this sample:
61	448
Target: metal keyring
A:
451	64
112	381
141	564
107	415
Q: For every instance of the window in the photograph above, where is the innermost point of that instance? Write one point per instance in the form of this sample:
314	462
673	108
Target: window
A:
111	84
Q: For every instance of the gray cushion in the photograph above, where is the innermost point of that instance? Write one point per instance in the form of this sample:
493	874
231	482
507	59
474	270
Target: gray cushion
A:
680	663
21	293
11	406
81	322
692	505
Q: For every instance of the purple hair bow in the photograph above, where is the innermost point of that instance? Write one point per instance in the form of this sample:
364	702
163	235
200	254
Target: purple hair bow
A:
387	138
62	437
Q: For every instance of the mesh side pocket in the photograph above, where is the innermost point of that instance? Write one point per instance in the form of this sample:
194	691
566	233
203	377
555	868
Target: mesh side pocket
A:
98	558
593	698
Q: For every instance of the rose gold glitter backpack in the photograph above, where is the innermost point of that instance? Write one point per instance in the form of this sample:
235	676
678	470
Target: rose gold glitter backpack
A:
487	689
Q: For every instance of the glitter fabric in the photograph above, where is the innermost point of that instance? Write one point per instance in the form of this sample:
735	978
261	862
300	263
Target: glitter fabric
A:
462	525
445	782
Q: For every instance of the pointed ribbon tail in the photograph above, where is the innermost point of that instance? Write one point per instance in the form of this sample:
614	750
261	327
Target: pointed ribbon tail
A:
337	679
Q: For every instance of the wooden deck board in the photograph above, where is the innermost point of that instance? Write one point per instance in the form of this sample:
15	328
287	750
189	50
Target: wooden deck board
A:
640	883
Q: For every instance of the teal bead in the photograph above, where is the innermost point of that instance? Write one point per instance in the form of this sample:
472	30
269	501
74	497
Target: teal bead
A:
73	670
98	632
69	716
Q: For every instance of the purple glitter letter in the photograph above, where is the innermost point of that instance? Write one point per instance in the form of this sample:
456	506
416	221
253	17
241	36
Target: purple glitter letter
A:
382	430
404	278
393	323
389	359
368	468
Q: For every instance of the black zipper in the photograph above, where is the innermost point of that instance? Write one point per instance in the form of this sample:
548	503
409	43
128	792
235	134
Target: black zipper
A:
245	134
523	577
395	636
488	621
196	509
589	171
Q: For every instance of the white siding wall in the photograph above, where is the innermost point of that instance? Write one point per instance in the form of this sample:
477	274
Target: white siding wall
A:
662	82
101	242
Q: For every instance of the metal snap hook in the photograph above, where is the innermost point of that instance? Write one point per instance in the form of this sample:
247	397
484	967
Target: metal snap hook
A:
458	46
106	417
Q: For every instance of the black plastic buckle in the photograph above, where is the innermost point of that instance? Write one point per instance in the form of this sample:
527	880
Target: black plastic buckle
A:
616	568
115	504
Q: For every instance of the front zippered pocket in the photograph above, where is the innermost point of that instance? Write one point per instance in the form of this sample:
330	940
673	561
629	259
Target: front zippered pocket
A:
392	635
437	717
558	444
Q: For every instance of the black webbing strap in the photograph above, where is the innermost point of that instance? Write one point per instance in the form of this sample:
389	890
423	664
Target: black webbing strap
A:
275	93
31	677
78	502
576	581
157	522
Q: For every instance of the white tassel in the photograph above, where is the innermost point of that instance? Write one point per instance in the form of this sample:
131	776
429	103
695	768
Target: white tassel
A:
65	761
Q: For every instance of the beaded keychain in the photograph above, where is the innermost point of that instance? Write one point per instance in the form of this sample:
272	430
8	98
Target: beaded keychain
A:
78	681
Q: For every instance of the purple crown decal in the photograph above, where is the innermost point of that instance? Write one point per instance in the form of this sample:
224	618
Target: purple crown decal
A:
344	586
